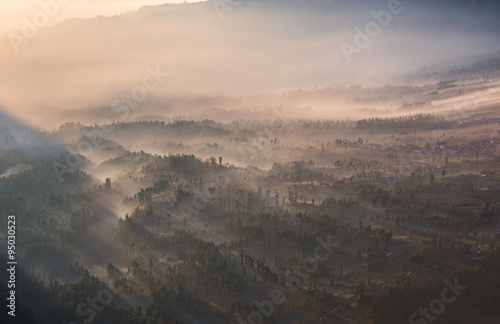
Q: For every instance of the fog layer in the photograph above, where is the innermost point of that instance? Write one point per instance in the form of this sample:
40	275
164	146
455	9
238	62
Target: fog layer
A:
242	47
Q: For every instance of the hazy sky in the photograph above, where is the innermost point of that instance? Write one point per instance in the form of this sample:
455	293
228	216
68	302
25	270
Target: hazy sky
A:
258	47
12	12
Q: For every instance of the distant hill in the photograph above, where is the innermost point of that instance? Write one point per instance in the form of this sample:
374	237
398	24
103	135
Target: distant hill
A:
252	47
18	135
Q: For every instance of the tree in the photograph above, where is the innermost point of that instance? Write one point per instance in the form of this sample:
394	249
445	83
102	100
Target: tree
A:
107	184
361	289
369	280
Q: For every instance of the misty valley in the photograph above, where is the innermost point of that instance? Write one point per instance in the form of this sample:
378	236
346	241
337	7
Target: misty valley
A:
258	161
283	220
